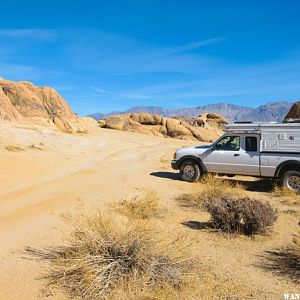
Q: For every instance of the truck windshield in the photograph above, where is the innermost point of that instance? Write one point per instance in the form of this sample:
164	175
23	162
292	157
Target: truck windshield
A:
228	143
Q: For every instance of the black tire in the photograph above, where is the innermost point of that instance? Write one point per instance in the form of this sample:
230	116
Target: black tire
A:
291	180
190	171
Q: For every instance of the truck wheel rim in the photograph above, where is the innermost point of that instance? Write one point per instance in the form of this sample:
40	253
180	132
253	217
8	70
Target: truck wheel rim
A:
188	172
293	183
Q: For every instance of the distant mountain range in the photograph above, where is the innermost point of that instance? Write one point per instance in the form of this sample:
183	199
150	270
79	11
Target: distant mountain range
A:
275	111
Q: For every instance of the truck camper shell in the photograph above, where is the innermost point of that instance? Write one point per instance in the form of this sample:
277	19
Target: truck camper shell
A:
274	137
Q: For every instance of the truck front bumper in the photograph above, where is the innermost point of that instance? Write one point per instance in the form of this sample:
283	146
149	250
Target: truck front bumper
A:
175	164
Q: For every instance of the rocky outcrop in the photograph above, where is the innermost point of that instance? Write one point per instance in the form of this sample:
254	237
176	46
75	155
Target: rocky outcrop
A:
210	119
23	101
294	113
205	128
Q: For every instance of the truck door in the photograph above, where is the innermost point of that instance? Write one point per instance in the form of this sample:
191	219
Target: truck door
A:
226	156
251	155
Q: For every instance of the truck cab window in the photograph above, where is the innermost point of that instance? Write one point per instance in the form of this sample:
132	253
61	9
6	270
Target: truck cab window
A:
228	143
251	144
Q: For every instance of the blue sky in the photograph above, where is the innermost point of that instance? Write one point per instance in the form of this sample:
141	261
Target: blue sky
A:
111	55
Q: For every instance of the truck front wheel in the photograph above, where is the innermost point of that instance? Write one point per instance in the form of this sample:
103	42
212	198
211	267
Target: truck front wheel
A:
291	180
190	171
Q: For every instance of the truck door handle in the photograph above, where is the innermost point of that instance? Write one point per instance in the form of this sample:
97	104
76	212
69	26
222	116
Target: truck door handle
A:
235	155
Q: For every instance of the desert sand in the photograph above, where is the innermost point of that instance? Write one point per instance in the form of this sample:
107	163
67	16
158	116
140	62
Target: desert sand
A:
45	173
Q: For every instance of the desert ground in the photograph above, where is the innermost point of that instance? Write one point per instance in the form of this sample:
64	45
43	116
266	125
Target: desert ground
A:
45	173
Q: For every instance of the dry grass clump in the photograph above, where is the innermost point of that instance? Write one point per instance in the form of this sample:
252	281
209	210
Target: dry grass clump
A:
141	206
104	256
211	188
14	148
215	188
240	215
285	193
286	262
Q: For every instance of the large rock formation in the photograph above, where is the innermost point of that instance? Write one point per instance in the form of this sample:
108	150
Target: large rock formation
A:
294	113
23	101
205	128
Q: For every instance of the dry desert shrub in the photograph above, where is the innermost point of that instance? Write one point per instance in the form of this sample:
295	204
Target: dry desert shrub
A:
286	262
144	205
13	148
105	257
240	215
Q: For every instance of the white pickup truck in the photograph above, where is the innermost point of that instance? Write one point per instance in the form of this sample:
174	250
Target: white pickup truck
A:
262	150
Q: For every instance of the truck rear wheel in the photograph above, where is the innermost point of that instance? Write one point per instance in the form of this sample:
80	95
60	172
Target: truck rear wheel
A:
291	180
190	171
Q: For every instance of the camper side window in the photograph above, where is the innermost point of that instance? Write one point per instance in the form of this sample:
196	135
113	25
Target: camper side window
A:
251	144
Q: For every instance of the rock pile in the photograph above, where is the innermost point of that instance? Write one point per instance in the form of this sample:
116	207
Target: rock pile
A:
205	128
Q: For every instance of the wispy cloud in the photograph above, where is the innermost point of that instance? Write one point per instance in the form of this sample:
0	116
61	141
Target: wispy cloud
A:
277	79
123	94
40	34
116	54
196	45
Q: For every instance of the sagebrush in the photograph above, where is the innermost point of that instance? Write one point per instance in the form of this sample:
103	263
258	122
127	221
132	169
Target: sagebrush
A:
240	215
